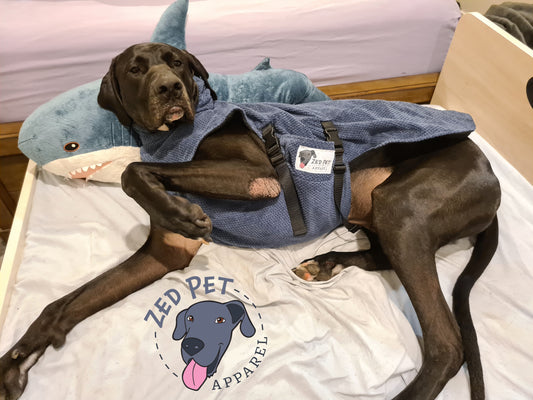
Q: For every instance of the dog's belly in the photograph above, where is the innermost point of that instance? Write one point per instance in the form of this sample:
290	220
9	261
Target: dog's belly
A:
362	183
266	223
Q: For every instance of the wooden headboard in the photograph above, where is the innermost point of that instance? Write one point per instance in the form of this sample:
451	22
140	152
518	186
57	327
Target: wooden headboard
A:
485	74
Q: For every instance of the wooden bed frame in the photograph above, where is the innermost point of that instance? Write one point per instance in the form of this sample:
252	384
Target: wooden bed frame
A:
492	89
485	74
415	89
12	166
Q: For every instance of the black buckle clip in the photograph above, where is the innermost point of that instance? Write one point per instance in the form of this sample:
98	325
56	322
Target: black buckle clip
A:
330	133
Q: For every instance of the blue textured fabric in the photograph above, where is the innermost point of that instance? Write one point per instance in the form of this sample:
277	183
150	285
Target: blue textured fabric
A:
362	125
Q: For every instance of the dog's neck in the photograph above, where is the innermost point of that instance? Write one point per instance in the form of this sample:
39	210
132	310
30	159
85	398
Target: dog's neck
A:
205	100
179	144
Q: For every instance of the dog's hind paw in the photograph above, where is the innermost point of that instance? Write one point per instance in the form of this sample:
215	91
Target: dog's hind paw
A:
313	270
325	266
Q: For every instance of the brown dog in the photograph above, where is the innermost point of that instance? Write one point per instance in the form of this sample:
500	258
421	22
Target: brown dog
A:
410	198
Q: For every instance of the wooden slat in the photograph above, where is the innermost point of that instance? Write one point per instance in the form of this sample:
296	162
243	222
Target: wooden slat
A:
12	169
10	128
15	245
415	89
7	210
9	133
485	74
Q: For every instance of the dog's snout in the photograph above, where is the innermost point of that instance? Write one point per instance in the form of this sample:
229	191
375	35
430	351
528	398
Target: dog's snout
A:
163	82
171	86
192	345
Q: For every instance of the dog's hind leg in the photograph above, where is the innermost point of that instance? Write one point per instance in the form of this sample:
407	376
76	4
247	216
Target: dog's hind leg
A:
325	266
162	252
426	203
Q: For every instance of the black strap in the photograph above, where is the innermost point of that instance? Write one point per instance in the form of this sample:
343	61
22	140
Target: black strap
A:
284	176
332	135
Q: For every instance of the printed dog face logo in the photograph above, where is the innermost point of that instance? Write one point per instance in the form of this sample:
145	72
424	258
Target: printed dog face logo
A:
306	156
206	329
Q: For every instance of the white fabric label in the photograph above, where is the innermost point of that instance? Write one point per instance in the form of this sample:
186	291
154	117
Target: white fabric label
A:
314	161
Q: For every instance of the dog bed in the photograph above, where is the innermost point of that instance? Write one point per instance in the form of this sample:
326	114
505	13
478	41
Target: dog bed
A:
354	336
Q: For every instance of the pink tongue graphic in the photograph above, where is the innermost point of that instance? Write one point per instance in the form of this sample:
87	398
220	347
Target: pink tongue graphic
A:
302	165
194	375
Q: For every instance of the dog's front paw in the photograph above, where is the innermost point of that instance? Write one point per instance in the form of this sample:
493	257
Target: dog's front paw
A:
181	216
14	366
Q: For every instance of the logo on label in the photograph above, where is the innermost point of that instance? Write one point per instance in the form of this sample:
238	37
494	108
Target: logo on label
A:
192	345
314	161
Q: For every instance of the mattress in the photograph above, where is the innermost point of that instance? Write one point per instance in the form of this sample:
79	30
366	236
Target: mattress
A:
355	336
48	47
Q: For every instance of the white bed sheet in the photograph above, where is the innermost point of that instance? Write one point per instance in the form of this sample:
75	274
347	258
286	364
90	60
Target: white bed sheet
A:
48	47
354	336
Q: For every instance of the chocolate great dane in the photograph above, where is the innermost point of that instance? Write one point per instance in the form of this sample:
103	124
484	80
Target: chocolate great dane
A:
411	198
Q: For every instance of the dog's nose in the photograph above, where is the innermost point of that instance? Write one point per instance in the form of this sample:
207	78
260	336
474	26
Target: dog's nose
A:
192	345
170	86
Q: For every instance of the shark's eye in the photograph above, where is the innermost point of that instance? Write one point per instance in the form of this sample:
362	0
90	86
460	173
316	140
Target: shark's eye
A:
190	318
220	320
72	146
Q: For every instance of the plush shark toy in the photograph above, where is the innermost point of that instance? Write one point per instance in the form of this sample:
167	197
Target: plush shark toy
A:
73	137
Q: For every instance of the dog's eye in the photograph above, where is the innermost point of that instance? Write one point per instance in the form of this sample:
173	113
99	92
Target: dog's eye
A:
135	70
177	63
220	320
70	147
190	318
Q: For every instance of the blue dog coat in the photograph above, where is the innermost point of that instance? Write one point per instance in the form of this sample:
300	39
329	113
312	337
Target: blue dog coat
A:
362	125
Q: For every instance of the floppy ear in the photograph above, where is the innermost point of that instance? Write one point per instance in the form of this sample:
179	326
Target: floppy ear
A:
239	314
199	70
180	330
109	96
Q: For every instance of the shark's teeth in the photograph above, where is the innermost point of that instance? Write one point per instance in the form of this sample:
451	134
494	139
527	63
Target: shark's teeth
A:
85	172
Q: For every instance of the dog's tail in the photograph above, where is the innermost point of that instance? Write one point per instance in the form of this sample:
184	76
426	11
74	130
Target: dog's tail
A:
484	249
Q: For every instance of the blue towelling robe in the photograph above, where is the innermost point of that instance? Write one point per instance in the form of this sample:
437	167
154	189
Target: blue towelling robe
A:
362	125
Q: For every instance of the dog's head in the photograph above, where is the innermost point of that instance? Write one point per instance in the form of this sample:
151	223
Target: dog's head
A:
152	85
206	330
